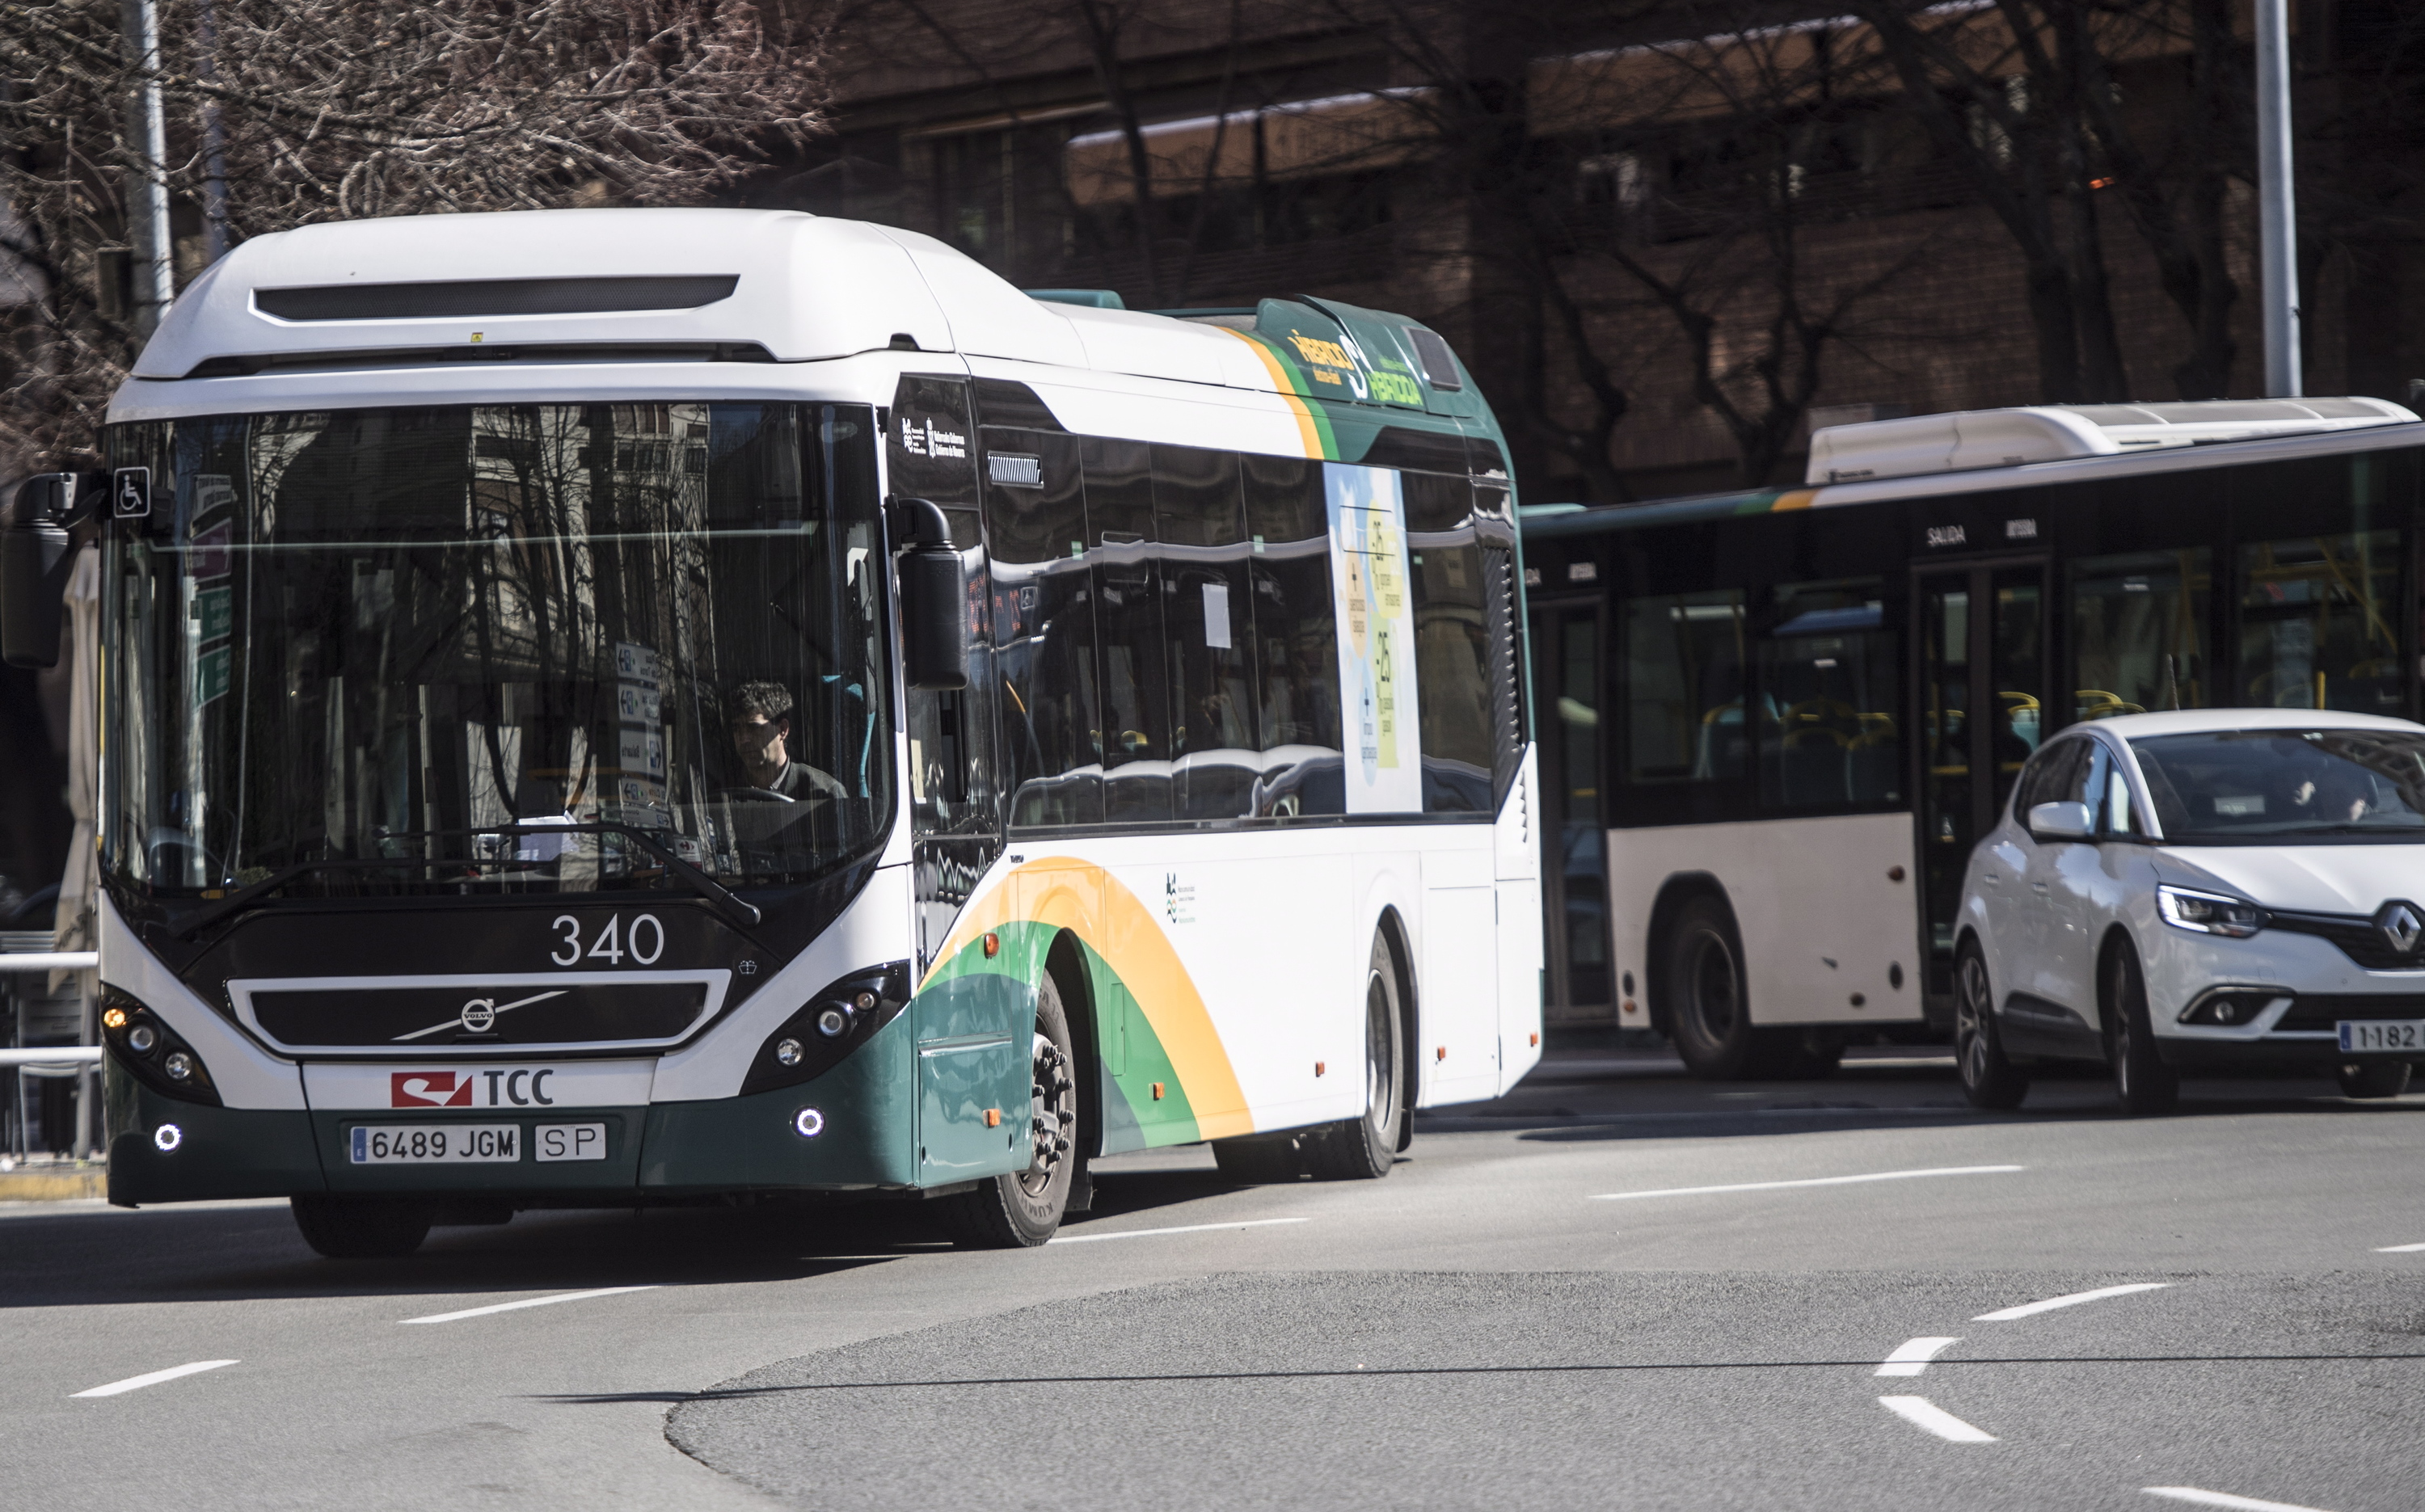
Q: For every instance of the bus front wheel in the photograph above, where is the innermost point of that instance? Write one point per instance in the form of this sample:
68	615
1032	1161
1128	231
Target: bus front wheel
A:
1022	1209
362	1228
1362	1149
1709	1016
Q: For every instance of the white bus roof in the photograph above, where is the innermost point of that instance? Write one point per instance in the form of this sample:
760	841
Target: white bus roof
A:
1968	439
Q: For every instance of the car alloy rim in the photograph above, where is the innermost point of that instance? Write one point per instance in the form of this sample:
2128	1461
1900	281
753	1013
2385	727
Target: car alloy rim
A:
1970	1028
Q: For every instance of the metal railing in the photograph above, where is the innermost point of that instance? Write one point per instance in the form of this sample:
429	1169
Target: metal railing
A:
55	1060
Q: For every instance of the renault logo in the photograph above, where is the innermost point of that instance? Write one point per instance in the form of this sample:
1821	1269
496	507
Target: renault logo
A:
2400	925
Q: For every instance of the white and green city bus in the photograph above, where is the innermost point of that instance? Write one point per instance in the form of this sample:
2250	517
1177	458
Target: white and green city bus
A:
1777	722
615	706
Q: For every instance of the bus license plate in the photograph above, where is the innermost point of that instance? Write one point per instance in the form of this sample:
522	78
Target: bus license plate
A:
2382	1034
421	1144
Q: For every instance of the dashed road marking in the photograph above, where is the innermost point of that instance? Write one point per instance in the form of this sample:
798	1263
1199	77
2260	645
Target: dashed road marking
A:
136	1383
2400	1249
2242	1504
528	1301
1929	1418
1184	1228
1911	1357
2028	1310
1812	1180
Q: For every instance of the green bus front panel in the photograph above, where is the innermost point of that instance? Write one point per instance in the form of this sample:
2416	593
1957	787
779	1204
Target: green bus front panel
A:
866	1107
218	1152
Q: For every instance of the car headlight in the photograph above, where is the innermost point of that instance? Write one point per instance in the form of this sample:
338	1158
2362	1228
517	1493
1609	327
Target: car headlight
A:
2208	913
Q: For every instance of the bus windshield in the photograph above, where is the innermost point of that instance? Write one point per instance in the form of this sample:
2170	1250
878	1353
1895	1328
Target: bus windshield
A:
2271	786
473	649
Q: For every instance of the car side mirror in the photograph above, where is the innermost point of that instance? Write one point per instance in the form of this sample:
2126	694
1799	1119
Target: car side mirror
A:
2061	821
934	600
35	560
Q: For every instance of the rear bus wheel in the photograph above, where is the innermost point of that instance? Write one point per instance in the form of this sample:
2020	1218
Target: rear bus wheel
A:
1021	1209
1363	1148
1709	1015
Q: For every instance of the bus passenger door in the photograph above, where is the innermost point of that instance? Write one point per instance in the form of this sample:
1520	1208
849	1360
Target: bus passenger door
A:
1567	641
1983	648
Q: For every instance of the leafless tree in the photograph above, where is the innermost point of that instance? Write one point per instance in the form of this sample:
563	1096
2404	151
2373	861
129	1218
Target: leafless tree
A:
328	110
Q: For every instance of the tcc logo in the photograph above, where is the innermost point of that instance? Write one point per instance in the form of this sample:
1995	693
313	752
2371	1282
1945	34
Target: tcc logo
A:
430	1088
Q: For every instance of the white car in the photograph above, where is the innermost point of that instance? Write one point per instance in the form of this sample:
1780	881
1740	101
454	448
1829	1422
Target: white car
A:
2204	888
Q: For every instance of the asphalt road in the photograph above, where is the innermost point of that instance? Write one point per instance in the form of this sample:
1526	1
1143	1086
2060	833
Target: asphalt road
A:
1615	1287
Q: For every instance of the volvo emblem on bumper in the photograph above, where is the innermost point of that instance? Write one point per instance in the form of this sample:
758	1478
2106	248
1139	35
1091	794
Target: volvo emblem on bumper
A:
2401	925
478	1015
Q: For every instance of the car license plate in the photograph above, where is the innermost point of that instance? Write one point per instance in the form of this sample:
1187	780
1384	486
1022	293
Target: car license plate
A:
2382	1034
424	1144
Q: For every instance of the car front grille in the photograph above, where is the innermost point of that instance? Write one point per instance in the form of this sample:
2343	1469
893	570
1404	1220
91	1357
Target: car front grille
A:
2358	938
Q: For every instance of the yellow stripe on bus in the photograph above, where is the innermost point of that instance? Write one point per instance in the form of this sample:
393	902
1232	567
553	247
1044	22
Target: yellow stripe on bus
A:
1307	431
1067	893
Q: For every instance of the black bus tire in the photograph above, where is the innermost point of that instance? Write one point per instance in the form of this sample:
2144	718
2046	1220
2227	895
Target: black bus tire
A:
363	1228
1259	1159
1708	1014
1021	1209
1364	1147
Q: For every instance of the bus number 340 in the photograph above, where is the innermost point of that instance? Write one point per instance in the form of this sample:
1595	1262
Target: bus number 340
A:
612	943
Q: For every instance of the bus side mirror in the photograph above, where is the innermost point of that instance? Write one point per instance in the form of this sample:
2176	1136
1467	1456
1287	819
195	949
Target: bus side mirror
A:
934	600
34	564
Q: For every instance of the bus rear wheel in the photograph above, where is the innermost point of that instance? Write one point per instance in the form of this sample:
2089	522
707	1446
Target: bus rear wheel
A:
1021	1209
1363	1148
1708	1017
363	1228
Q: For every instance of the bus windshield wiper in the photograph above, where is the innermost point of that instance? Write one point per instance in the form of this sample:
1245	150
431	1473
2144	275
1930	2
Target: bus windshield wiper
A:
735	910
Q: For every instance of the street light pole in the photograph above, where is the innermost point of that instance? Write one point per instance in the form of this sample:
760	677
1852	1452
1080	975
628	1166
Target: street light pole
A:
2277	230
147	190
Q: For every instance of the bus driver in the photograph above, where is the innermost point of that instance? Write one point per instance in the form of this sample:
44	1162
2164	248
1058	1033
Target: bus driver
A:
761	731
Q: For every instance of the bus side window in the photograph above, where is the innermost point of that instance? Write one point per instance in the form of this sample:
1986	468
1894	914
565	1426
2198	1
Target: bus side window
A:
1044	635
1129	635
1685	687
1288	534
1200	520
1828	704
1451	644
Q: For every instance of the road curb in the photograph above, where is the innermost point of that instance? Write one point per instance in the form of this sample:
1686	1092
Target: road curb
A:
54	1186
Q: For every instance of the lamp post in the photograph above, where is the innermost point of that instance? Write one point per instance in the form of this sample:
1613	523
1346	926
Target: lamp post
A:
2277	232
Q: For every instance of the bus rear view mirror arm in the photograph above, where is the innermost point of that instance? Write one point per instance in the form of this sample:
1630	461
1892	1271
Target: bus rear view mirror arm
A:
36	553
933	598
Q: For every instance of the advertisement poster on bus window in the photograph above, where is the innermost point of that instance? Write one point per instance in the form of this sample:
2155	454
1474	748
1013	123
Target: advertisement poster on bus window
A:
1372	597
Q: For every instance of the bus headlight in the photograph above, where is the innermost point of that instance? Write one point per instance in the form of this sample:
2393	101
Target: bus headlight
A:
151	1053
2208	913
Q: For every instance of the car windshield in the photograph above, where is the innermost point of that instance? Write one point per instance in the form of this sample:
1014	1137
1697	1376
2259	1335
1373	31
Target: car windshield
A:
2271	786
476	648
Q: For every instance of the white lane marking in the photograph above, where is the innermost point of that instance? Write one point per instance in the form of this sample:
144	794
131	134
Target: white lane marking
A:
2244	1504
1911	1357
1924	1414
532	1301
1185	1228
1813	1181
2400	1249
136	1383
2027	1310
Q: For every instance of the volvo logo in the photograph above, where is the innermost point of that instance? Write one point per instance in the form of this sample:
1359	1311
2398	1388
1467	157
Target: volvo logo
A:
2400	925
478	1014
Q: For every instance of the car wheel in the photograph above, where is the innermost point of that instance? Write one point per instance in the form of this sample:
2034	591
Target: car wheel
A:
2141	1079
1988	1079
1709	1015
2373	1078
1022	1208
1363	1148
